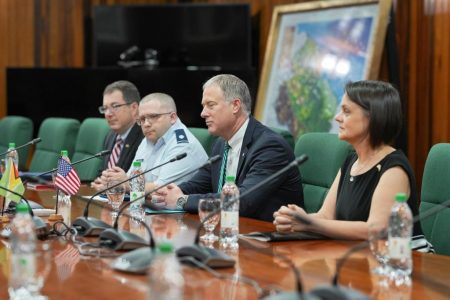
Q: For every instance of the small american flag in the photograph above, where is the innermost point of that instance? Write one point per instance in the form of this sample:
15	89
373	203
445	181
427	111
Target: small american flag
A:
67	179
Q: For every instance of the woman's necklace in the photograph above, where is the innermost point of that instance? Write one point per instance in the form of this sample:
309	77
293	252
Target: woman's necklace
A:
360	168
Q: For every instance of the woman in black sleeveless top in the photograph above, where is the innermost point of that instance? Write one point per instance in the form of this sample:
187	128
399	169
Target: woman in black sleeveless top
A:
364	189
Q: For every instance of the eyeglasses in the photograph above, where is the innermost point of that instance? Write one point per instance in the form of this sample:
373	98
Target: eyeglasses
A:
112	108
150	118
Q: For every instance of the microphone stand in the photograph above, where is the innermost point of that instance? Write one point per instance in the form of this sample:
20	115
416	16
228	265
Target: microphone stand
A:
124	240
99	154
88	226
138	260
40	226
32	142
345	293
217	259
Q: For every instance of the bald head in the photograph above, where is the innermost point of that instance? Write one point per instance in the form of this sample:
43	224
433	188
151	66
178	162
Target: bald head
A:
165	100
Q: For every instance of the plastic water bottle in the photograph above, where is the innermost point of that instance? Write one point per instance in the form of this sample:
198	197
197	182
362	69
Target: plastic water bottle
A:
65	207
399	236
166	280
23	258
13	154
137	189
229	218
64	201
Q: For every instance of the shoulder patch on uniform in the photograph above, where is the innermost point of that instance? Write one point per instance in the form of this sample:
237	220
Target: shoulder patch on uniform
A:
181	136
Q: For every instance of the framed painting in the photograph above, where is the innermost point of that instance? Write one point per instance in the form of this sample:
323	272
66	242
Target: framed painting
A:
313	50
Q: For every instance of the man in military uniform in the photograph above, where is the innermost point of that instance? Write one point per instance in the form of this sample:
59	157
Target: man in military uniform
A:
165	137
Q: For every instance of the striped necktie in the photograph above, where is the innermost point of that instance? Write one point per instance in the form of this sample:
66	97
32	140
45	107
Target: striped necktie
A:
223	168
114	157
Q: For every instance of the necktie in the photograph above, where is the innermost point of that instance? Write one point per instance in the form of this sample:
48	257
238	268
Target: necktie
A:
223	168
114	157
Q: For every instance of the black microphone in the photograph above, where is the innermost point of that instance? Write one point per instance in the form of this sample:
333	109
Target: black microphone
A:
32	142
88	226
212	257
139	260
40	226
335	291
124	240
99	154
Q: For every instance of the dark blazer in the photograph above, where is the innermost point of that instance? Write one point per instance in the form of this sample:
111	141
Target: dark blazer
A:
263	153
129	149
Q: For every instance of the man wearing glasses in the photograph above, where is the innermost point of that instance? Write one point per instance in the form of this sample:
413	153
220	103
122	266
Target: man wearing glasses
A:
120	107
165	138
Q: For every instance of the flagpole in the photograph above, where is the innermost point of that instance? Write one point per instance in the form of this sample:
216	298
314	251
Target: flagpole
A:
57	201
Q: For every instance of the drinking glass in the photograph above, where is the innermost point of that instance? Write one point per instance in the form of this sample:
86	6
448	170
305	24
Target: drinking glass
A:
205	207
378	241
115	196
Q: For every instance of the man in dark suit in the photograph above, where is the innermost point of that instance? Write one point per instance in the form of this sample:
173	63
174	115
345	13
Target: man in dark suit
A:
120	107
255	152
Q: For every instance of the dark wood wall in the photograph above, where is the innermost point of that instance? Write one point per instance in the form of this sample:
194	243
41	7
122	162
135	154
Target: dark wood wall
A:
50	33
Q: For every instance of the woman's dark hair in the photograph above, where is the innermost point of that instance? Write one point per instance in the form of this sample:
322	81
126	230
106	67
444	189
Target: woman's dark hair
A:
381	101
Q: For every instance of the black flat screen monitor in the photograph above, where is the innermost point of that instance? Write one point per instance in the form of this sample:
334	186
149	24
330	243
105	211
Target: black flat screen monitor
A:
183	34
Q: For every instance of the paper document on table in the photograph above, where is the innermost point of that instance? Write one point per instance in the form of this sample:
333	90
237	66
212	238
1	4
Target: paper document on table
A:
101	198
163	211
43	212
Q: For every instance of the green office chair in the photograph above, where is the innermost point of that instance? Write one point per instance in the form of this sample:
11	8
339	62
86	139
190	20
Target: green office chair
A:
204	137
435	190
57	134
326	154
19	130
286	135
89	142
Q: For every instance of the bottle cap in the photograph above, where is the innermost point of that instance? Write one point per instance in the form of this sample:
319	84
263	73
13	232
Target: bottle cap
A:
400	197
136	163
165	247
22	208
64	153
12	145
230	178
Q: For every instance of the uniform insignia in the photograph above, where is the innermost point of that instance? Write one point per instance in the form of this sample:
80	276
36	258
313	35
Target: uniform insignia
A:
181	136
127	146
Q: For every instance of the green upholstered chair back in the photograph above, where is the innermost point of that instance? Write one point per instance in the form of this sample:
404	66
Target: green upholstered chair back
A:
326	154
57	134
89	142
435	190
19	130
204	137
286	135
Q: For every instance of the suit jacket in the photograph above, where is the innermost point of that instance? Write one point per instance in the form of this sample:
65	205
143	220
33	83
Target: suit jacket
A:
263	153
129	149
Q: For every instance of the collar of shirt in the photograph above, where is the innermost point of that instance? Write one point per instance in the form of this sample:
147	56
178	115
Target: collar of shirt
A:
166	136
124	135
236	144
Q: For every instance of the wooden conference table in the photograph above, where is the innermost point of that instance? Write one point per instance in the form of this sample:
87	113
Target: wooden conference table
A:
73	276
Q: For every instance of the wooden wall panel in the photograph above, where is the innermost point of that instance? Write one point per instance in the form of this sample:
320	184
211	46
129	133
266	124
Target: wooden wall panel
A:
61	35
441	73
17	40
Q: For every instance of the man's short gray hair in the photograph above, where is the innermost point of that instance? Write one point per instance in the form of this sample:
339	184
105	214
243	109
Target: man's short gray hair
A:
232	88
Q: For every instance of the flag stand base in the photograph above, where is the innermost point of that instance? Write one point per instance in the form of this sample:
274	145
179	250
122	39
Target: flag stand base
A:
55	218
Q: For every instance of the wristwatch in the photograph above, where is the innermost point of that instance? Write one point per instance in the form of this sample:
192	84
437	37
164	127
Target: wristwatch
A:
181	202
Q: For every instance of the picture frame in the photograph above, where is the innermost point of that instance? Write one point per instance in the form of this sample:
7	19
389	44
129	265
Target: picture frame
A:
313	50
